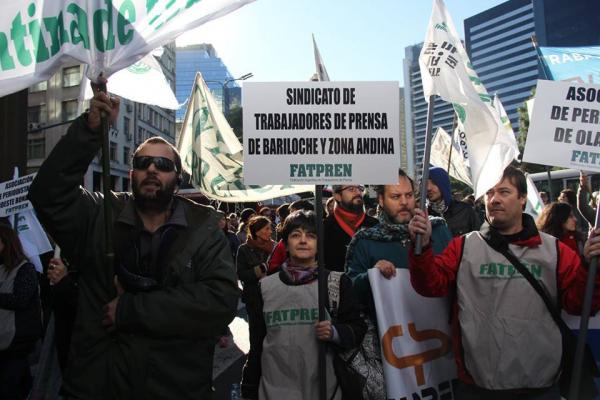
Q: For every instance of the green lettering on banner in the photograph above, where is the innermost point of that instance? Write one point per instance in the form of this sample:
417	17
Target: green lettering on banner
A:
267	317
304	314
276	316
492	269
58	34
79	27
126	17
482	269
150	5
294	313
102	17
17	34
284	315
39	46
314	314
536	270
6	61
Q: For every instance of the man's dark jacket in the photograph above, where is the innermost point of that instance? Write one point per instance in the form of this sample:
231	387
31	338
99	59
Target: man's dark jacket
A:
337	240
460	217
163	343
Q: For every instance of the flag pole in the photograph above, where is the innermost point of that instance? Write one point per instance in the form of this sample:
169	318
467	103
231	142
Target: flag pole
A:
108	211
322	288
425	170
454	125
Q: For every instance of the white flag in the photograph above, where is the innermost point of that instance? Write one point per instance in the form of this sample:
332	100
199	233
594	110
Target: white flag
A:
447	72
143	82
322	74
505	120
212	154
534	204
38	36
440	153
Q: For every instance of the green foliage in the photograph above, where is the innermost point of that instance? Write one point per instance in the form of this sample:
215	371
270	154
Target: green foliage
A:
234	118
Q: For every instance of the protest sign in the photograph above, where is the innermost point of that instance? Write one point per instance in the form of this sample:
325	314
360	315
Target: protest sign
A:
321	132
415	339
573	64
565	126
13	195
444	149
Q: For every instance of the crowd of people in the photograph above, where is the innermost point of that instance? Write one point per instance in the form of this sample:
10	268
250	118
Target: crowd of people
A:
146	327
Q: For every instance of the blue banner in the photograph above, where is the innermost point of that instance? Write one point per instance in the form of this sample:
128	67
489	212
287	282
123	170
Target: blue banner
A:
574	64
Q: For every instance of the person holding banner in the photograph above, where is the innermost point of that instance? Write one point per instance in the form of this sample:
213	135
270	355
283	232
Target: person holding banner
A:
506	342
289	315
146	326
460	217
385	246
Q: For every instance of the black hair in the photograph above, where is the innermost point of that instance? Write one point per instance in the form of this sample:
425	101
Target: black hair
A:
301	205
301	219
517	178
256	223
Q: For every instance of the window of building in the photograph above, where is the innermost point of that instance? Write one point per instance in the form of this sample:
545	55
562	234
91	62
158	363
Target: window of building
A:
71	76
126	131
113	182
39	87
36	148
140	135
126	155
113	151
69	110
37	114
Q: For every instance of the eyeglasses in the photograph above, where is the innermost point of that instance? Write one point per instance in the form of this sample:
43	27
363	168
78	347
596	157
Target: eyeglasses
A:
161	163
354	189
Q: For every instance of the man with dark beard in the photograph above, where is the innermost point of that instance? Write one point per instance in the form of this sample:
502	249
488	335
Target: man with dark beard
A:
385	245
146	326
347	218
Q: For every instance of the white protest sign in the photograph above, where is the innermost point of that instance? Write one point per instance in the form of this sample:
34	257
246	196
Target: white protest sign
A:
321	133
415	339
13	195
565	126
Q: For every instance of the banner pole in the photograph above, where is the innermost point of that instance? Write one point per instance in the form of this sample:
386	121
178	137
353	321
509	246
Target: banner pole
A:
454	124
109	253
322	288
583	324
425	170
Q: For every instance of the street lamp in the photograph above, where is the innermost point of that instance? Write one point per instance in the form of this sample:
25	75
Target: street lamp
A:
225	91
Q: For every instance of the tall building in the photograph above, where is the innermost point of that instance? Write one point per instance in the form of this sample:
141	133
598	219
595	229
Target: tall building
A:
204	58
499	44
415	110
402	133
54	103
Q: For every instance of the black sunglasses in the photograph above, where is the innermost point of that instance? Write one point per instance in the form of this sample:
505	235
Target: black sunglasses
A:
161	163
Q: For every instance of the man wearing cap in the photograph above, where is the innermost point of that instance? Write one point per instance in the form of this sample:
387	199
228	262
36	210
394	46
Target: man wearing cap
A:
147	324
460	217
347	218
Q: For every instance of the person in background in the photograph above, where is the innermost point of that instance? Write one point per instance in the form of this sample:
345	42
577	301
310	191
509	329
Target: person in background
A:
585	208
289	329
245	215
348	218
232	238
20	316
251	268
282	212
545	198
557	219
570	197
329	205
233	222
301	204
460	217
64	294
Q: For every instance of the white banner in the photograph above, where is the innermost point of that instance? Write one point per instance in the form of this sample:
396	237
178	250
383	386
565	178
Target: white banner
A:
212	154
415	339
321	132
13	195
564	129
38	36
447	72
441	145
534	205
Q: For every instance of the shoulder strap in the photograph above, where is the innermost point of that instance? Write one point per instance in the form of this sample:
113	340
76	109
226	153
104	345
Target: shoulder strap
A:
333	288
505	251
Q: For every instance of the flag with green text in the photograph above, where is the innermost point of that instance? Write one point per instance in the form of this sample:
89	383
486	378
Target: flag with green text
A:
38	36
447	72
212	154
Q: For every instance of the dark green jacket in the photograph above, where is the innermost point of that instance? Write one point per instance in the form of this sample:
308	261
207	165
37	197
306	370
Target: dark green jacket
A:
163	344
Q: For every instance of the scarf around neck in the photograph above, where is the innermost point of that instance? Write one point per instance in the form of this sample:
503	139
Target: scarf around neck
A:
439	207
299	274
348	220
266	246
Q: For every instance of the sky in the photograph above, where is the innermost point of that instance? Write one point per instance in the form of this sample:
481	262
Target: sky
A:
358	40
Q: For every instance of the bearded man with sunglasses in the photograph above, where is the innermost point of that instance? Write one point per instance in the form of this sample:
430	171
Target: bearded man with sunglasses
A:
146	326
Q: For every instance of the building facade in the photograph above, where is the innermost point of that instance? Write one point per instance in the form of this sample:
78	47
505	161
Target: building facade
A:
499	43
415	112
54	103
204	59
